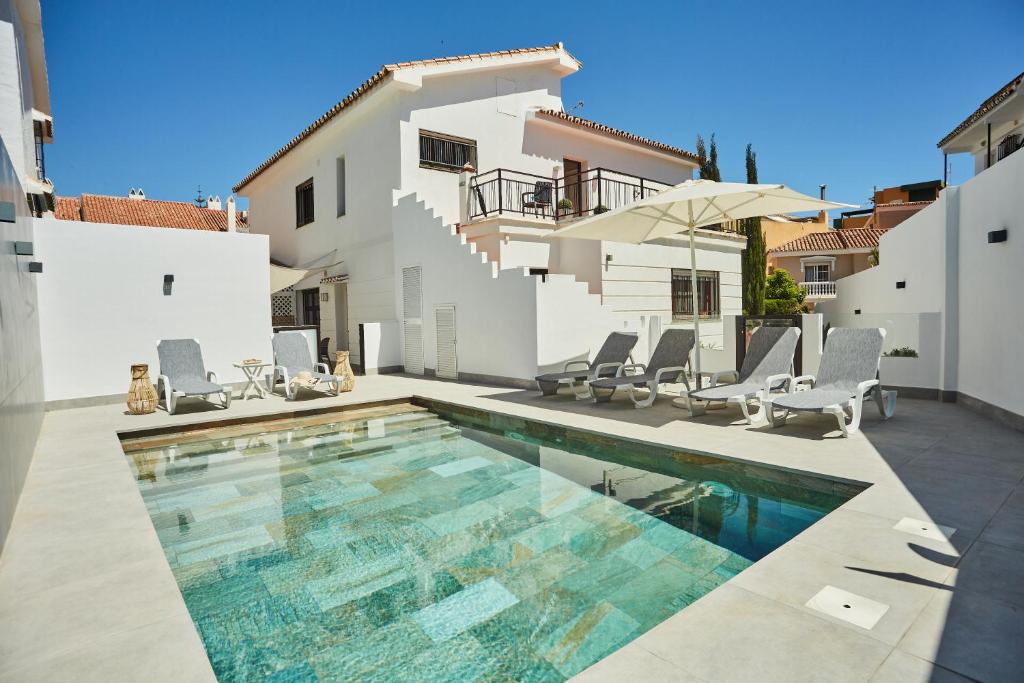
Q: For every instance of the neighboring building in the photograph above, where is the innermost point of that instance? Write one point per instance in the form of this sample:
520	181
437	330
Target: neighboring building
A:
994	131
424	202
892	206
817	260
135	209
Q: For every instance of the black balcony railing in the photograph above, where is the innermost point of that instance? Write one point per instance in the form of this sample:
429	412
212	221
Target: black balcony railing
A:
504	191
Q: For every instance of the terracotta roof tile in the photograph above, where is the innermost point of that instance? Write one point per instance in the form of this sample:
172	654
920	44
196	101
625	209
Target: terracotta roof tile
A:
375	80
986	106
615	132
833	240
94	208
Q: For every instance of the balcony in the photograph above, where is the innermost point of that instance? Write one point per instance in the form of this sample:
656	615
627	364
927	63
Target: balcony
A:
819	290
505	192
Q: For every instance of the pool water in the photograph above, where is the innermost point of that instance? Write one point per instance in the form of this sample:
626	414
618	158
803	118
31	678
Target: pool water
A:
397	543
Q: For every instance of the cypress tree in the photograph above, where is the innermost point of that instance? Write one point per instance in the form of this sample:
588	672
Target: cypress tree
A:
708	159
754	256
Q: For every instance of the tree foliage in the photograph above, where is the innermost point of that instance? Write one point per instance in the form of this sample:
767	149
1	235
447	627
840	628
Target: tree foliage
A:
708	159
782	294
754	256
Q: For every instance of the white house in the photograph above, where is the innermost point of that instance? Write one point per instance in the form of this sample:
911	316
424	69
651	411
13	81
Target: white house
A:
424	202
993	131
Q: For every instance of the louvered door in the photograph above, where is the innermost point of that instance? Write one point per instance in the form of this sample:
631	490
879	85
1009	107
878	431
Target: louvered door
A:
412	318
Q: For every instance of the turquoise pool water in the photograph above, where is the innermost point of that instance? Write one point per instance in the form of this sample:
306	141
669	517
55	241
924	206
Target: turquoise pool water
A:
407	545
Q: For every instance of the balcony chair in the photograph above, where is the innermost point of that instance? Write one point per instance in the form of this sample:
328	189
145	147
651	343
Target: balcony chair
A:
847	375
182	374
539	198
767	367
667	365
612	355
291	356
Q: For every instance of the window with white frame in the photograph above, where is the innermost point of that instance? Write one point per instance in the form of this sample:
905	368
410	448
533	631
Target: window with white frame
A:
816	272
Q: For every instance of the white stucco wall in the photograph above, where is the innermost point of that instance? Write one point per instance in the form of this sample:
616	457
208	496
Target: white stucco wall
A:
16	96
102	305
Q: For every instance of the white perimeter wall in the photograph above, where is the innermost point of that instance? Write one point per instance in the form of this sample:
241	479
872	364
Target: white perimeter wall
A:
982	315
102	306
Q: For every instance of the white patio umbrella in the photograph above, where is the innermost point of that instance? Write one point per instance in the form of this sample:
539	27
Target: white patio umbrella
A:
685	207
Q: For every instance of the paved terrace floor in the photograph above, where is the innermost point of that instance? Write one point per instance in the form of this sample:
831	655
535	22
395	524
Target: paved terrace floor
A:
86	594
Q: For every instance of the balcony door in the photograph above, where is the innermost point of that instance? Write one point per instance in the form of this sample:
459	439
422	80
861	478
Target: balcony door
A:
816	272
573	187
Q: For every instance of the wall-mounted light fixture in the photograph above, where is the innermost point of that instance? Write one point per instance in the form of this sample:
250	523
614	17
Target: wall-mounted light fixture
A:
23	249
35	267
996	236
901	284
324	297
168	283
8	213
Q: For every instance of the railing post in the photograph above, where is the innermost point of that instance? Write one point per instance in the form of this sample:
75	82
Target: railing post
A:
598	187
465	179
641	188
500	204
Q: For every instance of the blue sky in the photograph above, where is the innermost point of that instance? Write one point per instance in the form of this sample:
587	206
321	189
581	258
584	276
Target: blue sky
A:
166	96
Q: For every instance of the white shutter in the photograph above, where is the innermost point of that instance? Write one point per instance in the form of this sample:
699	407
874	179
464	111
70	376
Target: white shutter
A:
412	314
447	361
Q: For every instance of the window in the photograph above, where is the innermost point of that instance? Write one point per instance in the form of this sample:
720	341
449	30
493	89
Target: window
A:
707	294
341	186
816	273
37	128
304	203
446	152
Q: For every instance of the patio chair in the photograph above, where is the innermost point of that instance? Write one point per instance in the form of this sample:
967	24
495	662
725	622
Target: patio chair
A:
291	356
539	198
847	375
612	355
767	366
182	374
322	350
667	365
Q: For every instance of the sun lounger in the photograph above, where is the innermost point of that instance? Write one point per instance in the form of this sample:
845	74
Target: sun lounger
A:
847	375
291	357
182	373
667	365
767	366
576	373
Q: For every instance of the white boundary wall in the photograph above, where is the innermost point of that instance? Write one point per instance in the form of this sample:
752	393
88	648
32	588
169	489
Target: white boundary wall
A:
102	305
950	270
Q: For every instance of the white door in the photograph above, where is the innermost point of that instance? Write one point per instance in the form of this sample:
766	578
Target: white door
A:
447	355
412	318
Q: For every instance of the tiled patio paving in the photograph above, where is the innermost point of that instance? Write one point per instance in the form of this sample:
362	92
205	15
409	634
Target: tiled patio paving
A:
86	593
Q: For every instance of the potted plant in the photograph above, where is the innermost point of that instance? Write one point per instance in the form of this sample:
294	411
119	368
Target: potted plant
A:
565	205
601	208
901	352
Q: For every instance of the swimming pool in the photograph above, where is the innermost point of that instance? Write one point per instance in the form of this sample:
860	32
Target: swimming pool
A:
401	543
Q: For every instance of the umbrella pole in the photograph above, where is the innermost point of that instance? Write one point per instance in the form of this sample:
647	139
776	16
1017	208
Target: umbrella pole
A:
696	309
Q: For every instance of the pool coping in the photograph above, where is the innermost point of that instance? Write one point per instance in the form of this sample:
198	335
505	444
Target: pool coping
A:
120	608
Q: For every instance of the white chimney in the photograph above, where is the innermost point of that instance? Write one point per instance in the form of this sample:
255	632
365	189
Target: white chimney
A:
232	216
136	193
213	202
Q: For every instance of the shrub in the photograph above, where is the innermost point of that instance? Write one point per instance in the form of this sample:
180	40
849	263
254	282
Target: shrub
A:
781	306
565	204
782	296
600	208
902	352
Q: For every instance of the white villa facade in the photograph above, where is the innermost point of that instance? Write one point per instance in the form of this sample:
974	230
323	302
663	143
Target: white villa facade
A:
425	201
